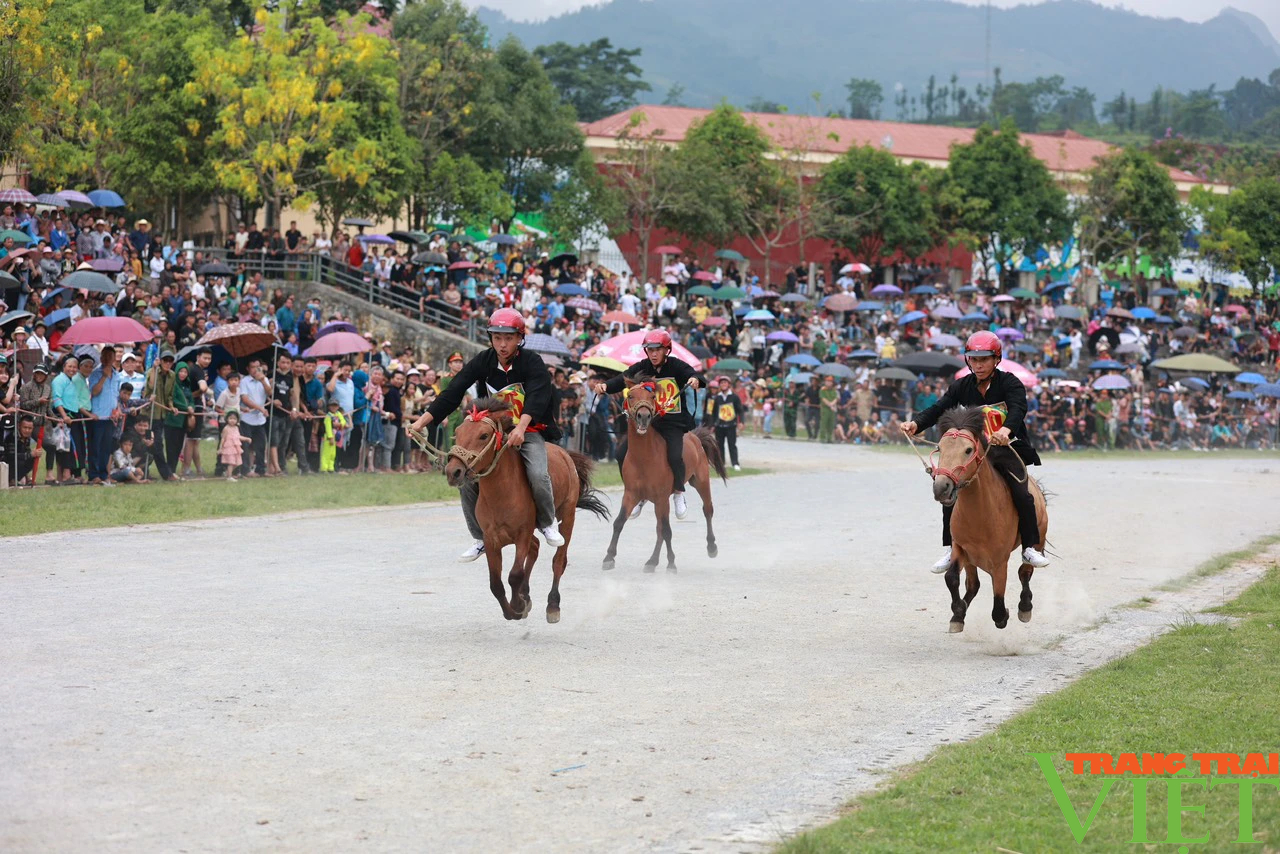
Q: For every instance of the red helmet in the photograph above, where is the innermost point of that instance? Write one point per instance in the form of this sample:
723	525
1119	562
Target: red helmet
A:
506	320
656	338
984	344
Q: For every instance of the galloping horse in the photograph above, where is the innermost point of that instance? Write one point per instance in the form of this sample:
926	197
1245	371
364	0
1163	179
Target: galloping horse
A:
984	523
646	476
505	508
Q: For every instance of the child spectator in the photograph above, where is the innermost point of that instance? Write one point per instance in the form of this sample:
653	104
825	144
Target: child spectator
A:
335	429
123	466
231	448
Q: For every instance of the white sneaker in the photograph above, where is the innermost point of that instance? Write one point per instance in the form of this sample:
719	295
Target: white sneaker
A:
551	535
943	564
737	468
635	511
1033	557
682	508
477	549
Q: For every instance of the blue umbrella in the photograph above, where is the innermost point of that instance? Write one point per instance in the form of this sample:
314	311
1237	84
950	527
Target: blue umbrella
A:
924	290
58	316
759	314
1106	365
1249	378
1241	395
883	290
504	239
572	290
782	335
1196	381
48	300
106	199
1165	292
794	298
1026	348
911	317
1143	313
1053	374
870	306
803	359
863	354
967	289
1164	318
799	378
1053	286
1267	390
741	310
975	317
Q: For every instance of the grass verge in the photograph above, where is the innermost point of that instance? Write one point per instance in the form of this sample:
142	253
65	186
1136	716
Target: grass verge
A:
1094	454
1217	564
1200	688
67	508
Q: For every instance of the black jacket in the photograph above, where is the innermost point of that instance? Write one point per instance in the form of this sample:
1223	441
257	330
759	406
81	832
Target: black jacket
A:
1005	388
676	374
527	386
722	399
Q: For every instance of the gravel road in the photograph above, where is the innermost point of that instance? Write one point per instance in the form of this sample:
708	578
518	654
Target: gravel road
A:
333	681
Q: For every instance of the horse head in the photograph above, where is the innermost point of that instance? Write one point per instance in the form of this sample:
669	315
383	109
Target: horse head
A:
960	453
642	404
478	440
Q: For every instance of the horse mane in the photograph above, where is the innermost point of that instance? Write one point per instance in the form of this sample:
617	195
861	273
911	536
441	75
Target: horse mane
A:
499	409
969	418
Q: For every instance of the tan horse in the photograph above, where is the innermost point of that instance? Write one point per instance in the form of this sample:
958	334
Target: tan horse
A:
505	508
984	523
646	476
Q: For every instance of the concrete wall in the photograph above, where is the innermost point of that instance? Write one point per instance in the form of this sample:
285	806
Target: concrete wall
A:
432	344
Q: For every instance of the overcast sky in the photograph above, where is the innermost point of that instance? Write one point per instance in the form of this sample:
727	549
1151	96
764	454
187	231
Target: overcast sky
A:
1192	10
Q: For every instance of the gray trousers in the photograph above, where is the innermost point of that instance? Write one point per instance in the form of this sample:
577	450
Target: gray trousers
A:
534	452
388	444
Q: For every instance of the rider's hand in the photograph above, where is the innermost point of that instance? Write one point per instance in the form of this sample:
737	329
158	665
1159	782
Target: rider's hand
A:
1001	436
909	428
599	386
693	383
424	421
516	438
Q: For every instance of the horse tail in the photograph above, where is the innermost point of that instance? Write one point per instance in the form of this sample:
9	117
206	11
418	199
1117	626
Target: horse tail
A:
589	498
709	447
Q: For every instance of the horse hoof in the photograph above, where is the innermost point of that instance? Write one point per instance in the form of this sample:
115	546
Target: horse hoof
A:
606	565
1000	624
650	567
1025	616
671	568
956	627
553	616
712	551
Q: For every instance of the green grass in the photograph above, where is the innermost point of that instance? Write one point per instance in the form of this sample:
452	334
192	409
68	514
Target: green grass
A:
1200	688
1093	454
66	508
1218	563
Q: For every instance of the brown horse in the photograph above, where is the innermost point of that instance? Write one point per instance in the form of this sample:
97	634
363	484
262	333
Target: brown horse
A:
984	523
646	476
505	508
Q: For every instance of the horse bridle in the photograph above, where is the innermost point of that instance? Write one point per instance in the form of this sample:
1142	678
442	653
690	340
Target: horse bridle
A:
955	474
469	458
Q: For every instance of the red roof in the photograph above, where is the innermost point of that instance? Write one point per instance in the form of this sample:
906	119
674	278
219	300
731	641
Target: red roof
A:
1062	152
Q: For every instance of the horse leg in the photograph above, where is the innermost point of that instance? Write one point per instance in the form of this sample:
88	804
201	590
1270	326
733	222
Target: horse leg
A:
493	553
999	613
958	605
971	583
629	502
671	555
662	512
1024	602
703	484
558	563
518	578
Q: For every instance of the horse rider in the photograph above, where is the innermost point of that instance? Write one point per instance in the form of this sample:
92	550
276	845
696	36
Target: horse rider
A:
670	376
509	372
988	386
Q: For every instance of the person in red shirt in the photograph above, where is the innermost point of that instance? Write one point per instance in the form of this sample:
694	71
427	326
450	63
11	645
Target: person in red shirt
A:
355	255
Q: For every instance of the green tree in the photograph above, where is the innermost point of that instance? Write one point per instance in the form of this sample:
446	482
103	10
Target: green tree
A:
584	207
1130	209
764	105
865	97
874	206
459	191
1010	201
1255	209
24	71
1223	243
597	79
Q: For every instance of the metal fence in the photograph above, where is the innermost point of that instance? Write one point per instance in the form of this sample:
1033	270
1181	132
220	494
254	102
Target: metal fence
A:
322	269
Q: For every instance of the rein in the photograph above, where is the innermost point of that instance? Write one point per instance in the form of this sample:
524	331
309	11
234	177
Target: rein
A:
932	469
467	456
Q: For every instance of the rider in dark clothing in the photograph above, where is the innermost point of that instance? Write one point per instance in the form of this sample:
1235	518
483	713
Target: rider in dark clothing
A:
726	411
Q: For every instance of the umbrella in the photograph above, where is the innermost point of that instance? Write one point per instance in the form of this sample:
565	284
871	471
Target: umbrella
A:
20	237
782	335
1248	378
107	265
1201	363
90	281
1053	286
13	317
106	199
1113	338
1185	332
1164	318
1165	292
799	378
552	359
183	354
1023	293
704	276
756	293
912	317
52	295
944	340
885	290
968	289
1027	348
1106	365
75	198
564	258
733	365
585	304
13	256
1068	312
1130	347
540	343
8	280
17	195
504	239
410	237
1236	309
895	373
1109	382
1024	375
51	199
1120	312
805	359
835	369
1010	333
1241	395
700	352
571	290
380	239
929	363
1196	382
840	302
106	330
716	321
240	339
797	298
627	349
1004	298
862	354
336	326
924	290
333	344
976	317
856	267
948	312
433	259
605	363
1053	374
463	265
668	249
728	293
55	317
359	222
759	314
701	291
1267	390
214	268
622	317
730	255
1143	313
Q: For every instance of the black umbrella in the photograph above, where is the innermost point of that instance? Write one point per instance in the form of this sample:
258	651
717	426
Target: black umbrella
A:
357	221
700	352
431	259
90	281
929	363
504	239
1068	312
411	237
188	351
8	280
14	316
564	258
214	268
1113	339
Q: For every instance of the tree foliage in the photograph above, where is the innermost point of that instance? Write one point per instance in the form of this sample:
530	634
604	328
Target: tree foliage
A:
864	98
873	205
596	78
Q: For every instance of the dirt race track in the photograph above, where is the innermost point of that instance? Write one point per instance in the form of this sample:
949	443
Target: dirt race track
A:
332	682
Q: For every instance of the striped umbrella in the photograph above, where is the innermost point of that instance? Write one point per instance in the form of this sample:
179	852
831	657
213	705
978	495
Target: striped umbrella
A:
52	200
75	198
585	304
17	195
240	339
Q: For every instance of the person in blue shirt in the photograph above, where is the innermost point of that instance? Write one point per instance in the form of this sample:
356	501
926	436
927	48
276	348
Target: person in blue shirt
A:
359	419
285	318
58	238
104	390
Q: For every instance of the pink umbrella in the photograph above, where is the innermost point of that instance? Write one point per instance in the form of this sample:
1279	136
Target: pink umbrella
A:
704	276
1024	375
106	330
622	317
463	265
75	197
627	349
17	195
667	249
716	321
338	344
1237	309
1004	298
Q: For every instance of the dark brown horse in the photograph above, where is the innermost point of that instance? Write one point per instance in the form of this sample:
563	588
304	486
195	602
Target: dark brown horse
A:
646	476
505	508
984	523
